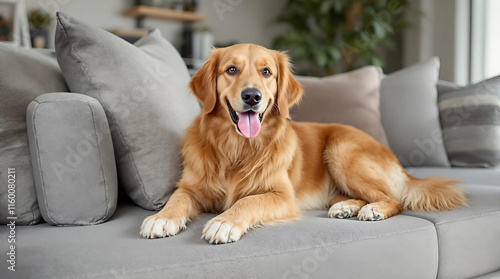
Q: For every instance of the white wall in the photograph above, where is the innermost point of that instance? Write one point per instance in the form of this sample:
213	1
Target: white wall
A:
441	31
244	21
231	20
492	40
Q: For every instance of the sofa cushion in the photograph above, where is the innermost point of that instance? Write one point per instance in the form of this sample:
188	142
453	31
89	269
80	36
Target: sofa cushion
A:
73	161
444	86
144	91
408	103
316	247
470	118
466	175
24	74
351	98
468	237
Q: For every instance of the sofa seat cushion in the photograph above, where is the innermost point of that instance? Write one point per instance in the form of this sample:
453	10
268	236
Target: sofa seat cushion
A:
316	246
468	237
467	175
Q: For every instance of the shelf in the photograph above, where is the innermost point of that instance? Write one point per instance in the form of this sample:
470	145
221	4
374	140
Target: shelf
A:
133	33
162	13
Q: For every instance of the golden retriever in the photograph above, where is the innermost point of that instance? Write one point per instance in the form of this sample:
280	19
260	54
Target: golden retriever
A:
243	157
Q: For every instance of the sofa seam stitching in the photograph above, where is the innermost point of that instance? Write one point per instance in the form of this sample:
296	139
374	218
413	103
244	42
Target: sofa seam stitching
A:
467	218
73	50
102	165
39	166
275	253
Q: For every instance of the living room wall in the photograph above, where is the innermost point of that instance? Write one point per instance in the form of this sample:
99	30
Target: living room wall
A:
230	20
442	31
437	32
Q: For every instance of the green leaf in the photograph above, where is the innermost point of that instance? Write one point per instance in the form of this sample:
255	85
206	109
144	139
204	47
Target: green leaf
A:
335	53
379	29
326	6
338	6
377	61
321	58
300	52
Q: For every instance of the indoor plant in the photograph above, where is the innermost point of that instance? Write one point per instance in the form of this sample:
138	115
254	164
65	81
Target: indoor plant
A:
340	35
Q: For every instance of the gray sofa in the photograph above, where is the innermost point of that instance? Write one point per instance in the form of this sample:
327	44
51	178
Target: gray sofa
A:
459	244
462	243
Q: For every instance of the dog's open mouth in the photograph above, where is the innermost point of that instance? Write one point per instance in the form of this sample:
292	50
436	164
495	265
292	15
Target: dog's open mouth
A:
247	123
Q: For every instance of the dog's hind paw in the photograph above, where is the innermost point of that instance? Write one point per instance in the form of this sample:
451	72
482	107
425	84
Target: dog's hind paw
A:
157	227
371	212
343	210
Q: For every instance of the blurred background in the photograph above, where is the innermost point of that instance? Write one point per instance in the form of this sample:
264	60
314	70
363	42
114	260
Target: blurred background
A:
323	37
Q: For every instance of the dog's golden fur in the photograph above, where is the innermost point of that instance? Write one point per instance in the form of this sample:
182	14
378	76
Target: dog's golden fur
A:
288	167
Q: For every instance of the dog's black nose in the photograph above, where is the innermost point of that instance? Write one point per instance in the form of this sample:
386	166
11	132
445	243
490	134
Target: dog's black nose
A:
251	96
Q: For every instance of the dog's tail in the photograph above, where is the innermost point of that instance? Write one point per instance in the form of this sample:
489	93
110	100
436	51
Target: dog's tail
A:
432	194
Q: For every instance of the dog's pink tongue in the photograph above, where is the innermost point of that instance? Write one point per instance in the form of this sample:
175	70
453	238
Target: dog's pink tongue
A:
249	124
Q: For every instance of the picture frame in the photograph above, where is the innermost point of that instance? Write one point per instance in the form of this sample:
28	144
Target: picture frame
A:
14	26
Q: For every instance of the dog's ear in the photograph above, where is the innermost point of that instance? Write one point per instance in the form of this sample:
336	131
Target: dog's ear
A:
289	89
204	82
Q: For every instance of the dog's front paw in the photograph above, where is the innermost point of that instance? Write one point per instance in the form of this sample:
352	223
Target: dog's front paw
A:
218	231
156	226
371	212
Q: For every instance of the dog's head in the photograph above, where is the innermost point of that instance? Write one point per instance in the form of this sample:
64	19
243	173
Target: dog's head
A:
248	82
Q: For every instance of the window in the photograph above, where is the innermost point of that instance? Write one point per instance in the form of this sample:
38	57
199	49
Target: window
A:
485	39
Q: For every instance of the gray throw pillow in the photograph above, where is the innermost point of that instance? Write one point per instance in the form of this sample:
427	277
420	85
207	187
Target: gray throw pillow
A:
351	98
408	103
470	117
24	74
143	89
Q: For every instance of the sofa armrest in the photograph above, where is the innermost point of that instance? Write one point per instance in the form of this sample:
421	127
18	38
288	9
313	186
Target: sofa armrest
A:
72	158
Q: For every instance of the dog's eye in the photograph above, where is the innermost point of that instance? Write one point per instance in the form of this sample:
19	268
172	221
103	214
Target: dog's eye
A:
266	72
232	70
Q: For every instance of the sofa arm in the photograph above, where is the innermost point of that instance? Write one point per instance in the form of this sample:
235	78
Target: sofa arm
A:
72	158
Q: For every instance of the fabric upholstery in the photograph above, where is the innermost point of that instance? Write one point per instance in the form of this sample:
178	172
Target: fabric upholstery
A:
408	103
24	74
73	161
144	91
468	237
317	246
444	86
470	118
466	175
351	98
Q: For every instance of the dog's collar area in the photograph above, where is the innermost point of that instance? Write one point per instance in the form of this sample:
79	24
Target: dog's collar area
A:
234	114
